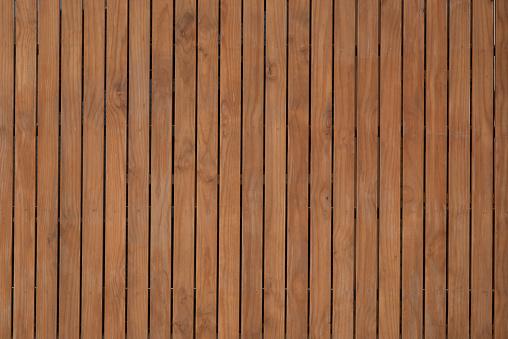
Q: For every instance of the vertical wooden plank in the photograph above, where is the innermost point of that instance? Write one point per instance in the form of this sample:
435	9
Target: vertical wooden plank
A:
367	148
47	157
93	168
501	174
161	157
229	184
139	150
6	163
321	168
24	185
344	169
435	169
275	168
458	169
185	141
252	173
116	168
389	171
482	180
207	168
298	167
412	168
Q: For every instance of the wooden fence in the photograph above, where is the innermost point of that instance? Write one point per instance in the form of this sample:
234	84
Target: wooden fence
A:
267	167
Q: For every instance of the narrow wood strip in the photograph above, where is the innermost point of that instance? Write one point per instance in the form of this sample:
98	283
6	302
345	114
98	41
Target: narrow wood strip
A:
116	168
47	168
139	150
252	172
482	180
367	148
161	157
275	168
435	169
93	169
389	172
24	185
458	169
344	170
298	167
229	185
6	163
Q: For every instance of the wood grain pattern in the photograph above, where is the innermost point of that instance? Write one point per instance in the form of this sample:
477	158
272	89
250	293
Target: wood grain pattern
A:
47	170
116	170
297	168
185	165
390	95
24	168
344	170
321	168
275	168
6	164
482	172
501	174
413	168
252	171
161	171
436	169
229	180
366	188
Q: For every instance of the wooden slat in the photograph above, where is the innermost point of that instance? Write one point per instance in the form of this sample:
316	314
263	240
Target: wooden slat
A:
47	169
93	168
252	170
482	180
185	146
139	150
229	180
275	168
6	163
501	174
24	185
344	170
458	169
366	188
116	168
298	167
389	171
161	157
413	168
435	169
321	168
207	167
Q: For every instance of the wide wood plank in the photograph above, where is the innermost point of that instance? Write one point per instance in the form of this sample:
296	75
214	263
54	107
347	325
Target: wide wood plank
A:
6	163
298	167
252	170
116	170
229	180
161	171
275	168
321	168
435	169
93	168
25	167
501	174
390	170
47	169
412	168
367	163
139	150
185	165
344	170
482	180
